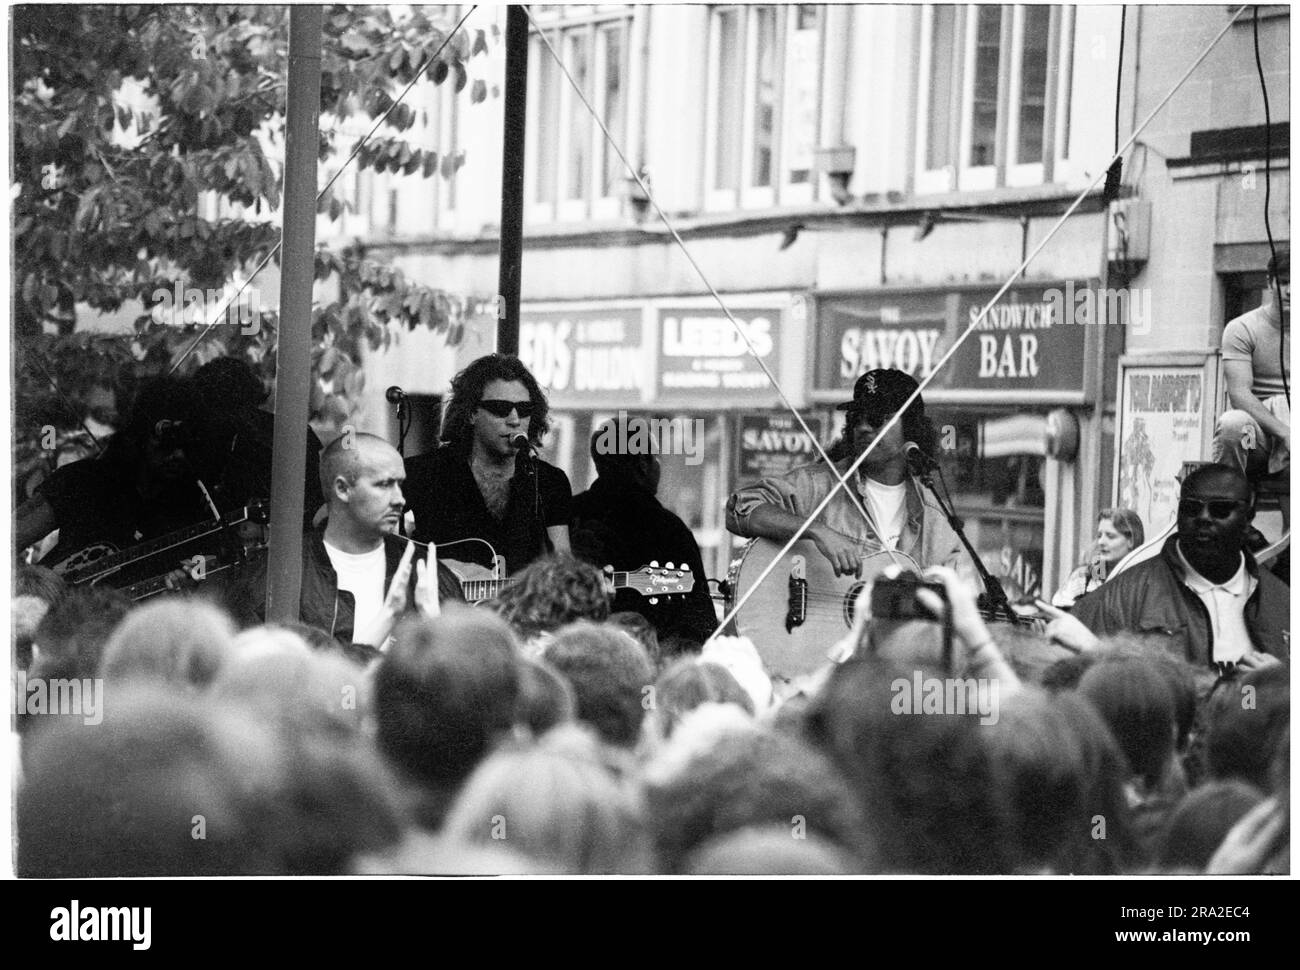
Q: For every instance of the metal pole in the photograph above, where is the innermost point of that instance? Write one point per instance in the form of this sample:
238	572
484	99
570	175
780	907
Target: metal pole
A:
510	276
293	360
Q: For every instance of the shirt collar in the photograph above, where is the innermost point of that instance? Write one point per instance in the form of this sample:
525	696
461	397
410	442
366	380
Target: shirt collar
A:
1237	585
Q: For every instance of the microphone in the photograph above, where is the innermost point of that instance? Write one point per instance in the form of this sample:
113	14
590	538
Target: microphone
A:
520	442
395	395
918	462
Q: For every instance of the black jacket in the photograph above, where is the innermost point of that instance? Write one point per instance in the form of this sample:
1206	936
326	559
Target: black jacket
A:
322	604
1151	597
626	527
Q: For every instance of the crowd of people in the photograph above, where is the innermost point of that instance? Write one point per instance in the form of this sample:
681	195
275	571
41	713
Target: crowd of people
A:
417	719
544	734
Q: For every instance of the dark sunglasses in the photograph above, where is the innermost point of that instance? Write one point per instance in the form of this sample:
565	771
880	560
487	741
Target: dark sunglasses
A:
1220	508
502	409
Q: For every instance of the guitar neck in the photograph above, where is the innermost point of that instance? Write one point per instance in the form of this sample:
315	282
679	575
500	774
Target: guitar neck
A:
476	590
126	557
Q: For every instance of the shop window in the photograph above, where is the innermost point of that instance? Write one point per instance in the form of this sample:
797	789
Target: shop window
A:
994	466
995	95
573	171
764	87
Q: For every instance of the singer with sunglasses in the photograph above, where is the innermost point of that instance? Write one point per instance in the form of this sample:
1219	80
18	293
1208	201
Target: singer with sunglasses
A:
1204	593
486	482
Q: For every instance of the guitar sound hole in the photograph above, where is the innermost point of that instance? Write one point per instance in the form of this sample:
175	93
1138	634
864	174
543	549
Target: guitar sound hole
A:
850	603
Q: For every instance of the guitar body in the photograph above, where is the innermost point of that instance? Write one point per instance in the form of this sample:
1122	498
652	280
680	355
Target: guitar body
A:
802	608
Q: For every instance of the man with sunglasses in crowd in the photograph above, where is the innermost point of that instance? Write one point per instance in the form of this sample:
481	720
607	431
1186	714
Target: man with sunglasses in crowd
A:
485	483
1204	591
903	517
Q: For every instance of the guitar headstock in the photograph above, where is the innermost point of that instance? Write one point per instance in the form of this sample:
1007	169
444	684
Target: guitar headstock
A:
656	580
259	511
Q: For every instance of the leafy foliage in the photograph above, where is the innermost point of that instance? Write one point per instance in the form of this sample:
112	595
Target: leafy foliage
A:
107	204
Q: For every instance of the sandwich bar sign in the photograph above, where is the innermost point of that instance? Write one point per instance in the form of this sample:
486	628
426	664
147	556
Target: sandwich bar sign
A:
1028	341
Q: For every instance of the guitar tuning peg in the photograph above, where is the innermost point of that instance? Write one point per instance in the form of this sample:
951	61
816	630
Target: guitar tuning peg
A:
654	563
669	566
654	600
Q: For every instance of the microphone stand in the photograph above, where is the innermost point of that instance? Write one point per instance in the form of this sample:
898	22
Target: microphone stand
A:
529	459
994	597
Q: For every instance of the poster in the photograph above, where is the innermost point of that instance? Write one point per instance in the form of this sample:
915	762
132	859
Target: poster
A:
1160	420
773	444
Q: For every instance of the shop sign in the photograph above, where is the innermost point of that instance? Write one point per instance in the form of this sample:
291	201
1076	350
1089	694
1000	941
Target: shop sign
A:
1031	339
773	444
585	355
701	354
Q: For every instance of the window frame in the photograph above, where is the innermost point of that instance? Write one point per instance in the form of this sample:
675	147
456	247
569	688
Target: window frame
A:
593	204
1005	170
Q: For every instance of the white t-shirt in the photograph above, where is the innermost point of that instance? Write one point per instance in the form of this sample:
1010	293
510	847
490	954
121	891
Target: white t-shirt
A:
1226	603
888	506
362	575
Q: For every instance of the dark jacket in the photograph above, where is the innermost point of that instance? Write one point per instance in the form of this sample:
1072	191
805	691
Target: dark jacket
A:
1151	597
322	604
625	526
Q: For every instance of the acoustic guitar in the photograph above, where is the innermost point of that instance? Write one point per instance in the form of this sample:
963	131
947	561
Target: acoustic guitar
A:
479	583
802	608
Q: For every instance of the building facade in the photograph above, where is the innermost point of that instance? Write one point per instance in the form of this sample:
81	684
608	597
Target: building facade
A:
856	183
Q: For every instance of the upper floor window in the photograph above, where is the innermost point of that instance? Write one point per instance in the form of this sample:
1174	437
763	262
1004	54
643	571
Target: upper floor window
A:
763	93
994	95
573	172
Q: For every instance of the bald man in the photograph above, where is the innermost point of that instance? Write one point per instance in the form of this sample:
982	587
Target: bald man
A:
1204	591
349	565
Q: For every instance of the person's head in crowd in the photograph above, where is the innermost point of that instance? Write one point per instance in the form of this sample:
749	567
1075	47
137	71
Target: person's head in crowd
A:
609	673
1215	508
674	646
133	796
557	802
273	672
361	477
1199	824
641	630
767	850
740	658
686	685
926	782
472	386
1064	675
37	590
444	695
1119	532
1062	776
732	776
1247	720
69	641
423	853
624	451
1178	675
182	641
551	592
1135	701
545	698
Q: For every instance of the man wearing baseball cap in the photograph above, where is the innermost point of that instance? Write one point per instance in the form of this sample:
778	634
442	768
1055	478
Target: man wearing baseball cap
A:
903	517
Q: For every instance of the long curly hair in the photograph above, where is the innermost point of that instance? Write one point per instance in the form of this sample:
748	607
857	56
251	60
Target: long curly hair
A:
916	427
467	391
